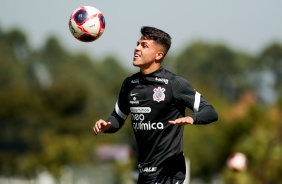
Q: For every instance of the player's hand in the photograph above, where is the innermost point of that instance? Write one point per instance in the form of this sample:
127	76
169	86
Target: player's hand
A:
101	126
182	121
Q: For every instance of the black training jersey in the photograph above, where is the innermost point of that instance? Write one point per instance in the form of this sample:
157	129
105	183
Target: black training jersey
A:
153	100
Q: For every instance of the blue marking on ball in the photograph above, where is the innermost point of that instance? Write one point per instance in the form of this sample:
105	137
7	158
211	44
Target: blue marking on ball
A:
80	16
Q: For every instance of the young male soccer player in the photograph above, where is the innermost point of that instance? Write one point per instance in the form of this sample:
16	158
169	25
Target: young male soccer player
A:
156	99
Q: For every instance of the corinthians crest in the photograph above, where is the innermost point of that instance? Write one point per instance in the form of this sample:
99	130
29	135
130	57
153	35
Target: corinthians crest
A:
159	94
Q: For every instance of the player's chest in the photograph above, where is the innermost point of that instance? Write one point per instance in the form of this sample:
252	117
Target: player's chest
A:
150	95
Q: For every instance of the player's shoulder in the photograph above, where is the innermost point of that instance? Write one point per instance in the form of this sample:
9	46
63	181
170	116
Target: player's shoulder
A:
173	78
177	82
166	73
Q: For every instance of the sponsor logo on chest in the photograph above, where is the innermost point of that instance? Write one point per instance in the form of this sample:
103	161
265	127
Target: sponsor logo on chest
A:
145	125
134	101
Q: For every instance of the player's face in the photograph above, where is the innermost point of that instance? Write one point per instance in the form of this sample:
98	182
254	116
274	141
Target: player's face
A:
147	54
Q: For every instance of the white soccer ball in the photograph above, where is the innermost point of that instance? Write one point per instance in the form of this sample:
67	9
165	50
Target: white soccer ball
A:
87	23
237	161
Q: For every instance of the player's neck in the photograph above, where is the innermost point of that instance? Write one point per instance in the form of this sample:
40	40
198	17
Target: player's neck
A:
150	69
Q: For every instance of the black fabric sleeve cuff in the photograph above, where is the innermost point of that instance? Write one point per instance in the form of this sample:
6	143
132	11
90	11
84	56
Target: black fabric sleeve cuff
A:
116	123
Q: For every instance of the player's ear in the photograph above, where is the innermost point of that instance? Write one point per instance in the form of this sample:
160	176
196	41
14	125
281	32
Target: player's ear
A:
160	55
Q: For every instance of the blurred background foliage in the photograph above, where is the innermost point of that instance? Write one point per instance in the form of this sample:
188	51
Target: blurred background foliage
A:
50	99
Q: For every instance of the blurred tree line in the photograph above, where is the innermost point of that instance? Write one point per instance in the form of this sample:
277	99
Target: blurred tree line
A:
50	99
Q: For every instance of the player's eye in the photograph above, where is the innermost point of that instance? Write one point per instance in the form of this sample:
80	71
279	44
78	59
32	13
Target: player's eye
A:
144	45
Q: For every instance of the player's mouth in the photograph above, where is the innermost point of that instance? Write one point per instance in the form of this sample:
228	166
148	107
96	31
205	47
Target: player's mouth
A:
136	55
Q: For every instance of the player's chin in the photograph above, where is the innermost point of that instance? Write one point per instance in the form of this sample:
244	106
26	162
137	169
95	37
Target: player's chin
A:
135	63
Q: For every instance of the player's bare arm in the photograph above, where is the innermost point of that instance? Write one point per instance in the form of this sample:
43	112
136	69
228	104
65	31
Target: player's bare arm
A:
101	126
182	121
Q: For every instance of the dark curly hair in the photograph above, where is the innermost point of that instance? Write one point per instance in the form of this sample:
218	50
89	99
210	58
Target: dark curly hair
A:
157	35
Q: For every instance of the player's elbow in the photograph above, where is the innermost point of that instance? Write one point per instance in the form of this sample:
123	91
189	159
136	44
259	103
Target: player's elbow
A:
213	115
